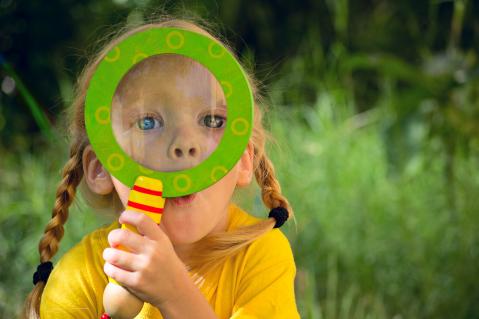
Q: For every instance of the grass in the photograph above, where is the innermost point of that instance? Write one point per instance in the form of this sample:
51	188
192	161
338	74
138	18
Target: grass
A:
372	241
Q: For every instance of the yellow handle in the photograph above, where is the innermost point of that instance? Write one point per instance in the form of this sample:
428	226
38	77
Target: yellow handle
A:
146	197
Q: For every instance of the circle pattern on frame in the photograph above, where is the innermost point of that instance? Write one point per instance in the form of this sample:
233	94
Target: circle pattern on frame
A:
204	50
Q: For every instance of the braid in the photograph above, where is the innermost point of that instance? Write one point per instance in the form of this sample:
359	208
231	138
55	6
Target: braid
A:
270	188
72	174
263	168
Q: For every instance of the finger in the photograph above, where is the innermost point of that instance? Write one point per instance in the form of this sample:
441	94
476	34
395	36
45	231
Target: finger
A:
122	259
123	277
144	224
127	239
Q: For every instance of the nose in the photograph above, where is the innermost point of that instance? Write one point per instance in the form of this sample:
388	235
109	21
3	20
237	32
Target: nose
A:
182	151
184	146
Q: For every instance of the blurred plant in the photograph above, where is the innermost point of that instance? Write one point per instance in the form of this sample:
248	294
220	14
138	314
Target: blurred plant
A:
393	237
28	185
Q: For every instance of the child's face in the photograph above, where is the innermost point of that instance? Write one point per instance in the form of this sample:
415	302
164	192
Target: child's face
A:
170	115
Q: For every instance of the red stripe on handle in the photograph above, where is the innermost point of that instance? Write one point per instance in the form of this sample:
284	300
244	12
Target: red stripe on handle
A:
147	191
150	209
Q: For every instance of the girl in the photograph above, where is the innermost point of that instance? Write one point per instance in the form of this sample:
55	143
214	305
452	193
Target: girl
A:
207	259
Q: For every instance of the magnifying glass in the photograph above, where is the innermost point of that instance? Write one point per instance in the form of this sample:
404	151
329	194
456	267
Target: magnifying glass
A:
168	112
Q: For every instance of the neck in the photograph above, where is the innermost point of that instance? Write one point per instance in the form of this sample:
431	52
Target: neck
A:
183	251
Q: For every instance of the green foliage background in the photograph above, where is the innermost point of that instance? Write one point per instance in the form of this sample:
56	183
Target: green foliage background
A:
376	114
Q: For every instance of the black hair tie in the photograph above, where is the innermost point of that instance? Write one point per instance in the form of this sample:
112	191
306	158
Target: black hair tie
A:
43	272
280	214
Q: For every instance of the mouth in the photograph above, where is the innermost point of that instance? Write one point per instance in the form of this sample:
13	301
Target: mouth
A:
182	200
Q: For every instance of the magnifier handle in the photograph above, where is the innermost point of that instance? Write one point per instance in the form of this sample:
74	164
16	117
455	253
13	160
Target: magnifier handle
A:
146	197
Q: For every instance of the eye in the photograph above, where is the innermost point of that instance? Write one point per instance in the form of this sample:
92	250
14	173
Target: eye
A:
147	123
214	121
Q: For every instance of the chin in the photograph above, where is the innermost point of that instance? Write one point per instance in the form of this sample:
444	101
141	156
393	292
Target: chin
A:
181	232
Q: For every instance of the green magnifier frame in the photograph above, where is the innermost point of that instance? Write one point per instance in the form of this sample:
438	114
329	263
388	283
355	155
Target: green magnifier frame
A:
204	50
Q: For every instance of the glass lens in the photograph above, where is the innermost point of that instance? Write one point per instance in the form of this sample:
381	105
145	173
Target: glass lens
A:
168	113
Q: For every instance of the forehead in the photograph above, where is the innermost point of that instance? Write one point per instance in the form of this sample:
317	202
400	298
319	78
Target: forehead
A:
166	74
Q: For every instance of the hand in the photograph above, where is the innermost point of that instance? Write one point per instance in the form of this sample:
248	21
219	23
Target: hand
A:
150	268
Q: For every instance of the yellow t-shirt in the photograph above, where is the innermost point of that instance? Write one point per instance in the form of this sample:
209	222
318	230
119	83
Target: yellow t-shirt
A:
256	283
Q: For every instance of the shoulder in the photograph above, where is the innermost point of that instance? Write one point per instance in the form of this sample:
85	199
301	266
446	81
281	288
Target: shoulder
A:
87	253
270	254
273	244
264	273
77	280
270	249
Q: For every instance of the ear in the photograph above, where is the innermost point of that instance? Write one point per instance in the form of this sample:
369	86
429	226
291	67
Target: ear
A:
245	167
96	176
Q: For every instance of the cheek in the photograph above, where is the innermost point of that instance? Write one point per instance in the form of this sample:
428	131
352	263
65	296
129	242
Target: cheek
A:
152	153
210	146
208	141
220	193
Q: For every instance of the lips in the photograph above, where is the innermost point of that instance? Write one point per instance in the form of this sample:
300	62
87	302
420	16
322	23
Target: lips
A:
183	200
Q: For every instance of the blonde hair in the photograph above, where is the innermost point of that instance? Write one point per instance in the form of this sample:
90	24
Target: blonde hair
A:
210	251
